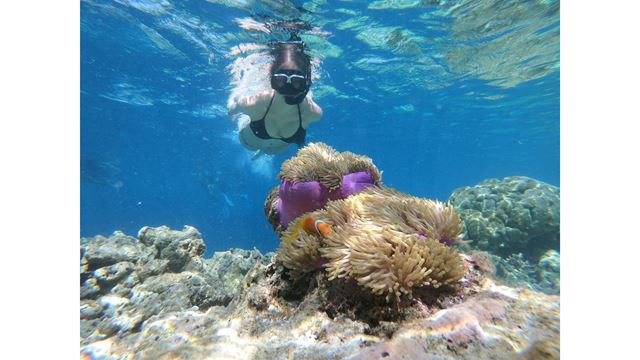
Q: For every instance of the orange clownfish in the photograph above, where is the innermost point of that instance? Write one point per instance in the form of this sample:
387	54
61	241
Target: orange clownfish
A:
315	226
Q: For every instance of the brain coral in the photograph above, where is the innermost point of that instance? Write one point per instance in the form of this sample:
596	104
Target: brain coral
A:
389	242
513	215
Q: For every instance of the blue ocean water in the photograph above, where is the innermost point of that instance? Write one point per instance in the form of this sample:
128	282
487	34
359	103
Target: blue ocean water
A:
439	94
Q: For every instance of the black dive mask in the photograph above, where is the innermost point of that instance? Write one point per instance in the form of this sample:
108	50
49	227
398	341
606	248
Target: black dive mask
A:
293	85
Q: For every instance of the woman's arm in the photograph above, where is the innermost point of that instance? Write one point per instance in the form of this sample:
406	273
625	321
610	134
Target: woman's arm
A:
252	105
314	110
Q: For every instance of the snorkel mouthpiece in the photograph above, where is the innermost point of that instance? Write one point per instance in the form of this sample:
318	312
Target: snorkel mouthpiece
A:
294	100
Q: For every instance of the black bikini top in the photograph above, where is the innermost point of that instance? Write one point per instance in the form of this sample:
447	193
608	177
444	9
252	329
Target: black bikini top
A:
259	129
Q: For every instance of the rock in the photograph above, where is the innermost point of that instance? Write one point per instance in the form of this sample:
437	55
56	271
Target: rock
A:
113	273
510	216
89	289
174	292
121	290
124	323
112	303
152	268
272	316
162	272
228	268
162	236
183	254
90	309
121	276
99	251
549	271
183	248
481	261
112	307
516	271
496	323
88	329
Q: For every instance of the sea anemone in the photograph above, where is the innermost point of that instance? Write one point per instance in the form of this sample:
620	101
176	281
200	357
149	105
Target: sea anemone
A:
320	162
271	210
389	242
298	248
433	220
317	174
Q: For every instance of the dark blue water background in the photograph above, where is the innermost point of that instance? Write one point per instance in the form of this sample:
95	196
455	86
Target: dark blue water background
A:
158	150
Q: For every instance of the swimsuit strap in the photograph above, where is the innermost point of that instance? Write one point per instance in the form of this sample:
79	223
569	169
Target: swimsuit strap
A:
269	107
300	134
258	127
260	130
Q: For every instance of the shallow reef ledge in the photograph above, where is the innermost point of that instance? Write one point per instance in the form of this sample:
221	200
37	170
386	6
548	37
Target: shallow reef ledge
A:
154	297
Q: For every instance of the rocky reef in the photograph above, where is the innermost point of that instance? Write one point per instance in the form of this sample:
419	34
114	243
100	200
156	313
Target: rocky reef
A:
154	297
127	280
515	215
519	272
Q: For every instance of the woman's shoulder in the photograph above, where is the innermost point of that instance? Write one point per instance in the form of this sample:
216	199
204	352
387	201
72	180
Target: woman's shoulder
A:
257	99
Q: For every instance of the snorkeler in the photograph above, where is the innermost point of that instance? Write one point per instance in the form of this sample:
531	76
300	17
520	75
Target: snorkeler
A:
271	120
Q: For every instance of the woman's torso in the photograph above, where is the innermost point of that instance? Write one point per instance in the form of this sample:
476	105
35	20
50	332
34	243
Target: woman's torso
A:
281	120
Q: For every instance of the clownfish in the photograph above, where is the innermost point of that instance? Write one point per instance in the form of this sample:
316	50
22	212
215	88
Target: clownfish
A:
314	226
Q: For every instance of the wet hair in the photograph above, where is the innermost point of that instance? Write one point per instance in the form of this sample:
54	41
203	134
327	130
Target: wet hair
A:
290	56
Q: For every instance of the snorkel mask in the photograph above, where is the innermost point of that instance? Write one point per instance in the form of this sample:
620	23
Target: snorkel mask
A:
290	84
292	77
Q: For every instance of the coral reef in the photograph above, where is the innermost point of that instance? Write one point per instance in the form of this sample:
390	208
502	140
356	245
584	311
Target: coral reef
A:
344	238
170	315
517	271
126	280
549	272
510	216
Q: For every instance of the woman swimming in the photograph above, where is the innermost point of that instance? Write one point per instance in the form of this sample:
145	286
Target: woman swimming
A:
271	120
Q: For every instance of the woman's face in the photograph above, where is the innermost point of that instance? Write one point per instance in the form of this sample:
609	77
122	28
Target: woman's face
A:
289	82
